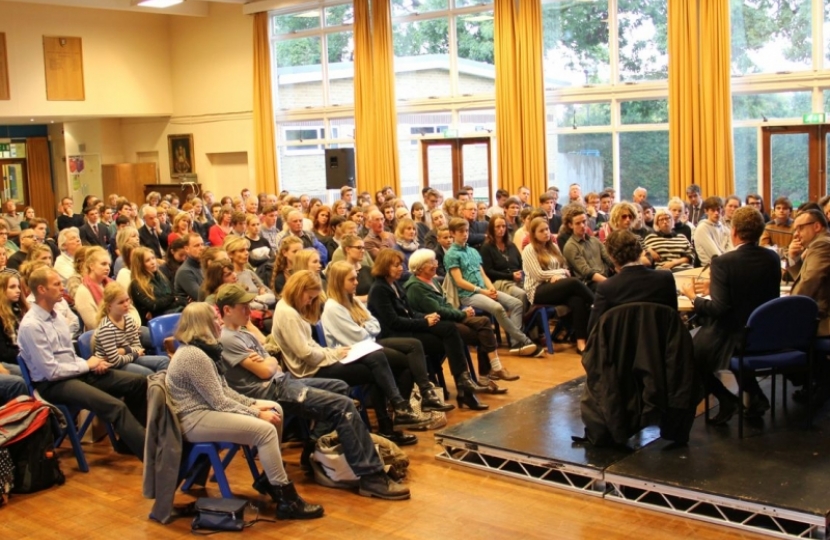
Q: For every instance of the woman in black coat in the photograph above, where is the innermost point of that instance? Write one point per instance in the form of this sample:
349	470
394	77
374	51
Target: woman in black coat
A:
387	302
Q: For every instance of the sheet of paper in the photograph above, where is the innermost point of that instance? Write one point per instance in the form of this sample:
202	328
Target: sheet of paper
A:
359	350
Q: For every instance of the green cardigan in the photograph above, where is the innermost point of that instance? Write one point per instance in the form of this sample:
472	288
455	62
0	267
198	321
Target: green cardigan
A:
426	299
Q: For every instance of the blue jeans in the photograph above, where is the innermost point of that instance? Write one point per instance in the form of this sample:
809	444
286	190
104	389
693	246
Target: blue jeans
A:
326	400
147	365
507	310
11	386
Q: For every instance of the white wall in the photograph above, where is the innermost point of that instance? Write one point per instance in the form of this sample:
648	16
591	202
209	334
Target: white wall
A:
126	61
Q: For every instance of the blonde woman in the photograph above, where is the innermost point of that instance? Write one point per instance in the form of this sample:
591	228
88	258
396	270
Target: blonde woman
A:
347	321
116	339
90	293
149	289
209	410
181	226
238	253
296	312
309	259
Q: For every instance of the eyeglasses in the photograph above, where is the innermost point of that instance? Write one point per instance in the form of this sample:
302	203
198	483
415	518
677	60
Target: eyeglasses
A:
626	216
798	227
361	248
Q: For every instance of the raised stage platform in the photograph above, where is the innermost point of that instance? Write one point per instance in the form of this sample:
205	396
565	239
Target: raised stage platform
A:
774	481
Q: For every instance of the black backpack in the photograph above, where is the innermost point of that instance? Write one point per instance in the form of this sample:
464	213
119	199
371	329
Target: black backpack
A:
34	459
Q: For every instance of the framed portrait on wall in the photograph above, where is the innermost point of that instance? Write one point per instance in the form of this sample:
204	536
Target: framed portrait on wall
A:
180	149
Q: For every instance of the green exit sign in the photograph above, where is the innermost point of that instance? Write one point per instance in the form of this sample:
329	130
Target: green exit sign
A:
814	118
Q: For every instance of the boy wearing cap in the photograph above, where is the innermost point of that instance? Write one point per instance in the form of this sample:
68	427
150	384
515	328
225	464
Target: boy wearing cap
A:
252	372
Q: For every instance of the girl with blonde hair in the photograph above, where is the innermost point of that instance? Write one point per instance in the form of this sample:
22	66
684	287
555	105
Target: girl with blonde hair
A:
290	246
117	337
150	291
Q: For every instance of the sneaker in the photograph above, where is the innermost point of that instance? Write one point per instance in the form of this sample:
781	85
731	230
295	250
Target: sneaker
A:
502	375
524	350
539	352
399	437
381	486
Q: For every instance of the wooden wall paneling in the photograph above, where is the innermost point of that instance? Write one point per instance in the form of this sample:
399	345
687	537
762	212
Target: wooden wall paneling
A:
63	62
5	94
125	180
39	172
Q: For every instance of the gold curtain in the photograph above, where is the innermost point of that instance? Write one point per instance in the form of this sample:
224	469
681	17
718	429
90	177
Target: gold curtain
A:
376	124
520	98
265	162
700	100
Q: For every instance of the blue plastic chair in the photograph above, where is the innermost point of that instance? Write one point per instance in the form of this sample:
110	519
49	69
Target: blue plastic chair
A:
161	328
85	344
542	315
196	456
69	431
779	335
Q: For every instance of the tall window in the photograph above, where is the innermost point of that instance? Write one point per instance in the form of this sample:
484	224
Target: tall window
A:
606	70
313	81
780	51
444	80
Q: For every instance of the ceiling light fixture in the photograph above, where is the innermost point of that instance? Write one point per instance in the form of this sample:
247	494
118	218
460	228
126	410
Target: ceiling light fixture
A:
156	3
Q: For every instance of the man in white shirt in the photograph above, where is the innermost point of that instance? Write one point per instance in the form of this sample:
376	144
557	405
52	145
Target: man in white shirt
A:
116	396
712	239
69	240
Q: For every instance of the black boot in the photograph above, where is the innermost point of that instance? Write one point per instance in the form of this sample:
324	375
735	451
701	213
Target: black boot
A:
405	415
289	503
431	401
468	383
466	393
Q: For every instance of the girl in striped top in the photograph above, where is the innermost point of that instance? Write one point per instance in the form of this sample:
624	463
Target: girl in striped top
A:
548	281
117	339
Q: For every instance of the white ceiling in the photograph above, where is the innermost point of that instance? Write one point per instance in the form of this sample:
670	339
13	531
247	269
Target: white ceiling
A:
197	8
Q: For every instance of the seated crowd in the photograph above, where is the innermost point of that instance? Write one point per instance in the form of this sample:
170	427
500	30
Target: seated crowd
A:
253	274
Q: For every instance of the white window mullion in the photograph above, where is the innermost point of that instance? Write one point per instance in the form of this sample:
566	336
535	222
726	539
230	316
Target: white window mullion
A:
613	42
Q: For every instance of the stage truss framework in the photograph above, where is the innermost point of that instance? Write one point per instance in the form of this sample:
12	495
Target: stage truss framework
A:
747	516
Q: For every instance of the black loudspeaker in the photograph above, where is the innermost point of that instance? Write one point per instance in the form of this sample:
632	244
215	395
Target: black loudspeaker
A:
339	168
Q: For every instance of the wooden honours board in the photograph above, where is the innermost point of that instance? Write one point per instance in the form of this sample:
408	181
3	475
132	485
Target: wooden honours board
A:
64	63
4	69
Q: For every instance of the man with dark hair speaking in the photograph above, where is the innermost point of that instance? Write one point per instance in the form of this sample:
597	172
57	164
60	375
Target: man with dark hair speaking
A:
740	281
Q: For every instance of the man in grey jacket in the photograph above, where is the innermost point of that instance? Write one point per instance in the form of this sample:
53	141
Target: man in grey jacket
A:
252	372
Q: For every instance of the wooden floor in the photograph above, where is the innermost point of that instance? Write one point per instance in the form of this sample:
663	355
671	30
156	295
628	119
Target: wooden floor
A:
448	502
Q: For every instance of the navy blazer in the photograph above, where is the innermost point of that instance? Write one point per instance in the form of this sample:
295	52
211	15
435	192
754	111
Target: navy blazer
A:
478	233
633	284
89	238
147	239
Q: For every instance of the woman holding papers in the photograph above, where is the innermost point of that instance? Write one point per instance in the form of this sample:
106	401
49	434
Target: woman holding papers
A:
346	321
296	312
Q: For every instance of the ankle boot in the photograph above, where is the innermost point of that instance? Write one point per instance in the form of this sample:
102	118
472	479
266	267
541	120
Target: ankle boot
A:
405	415
431	401
466	381
290	505
466	395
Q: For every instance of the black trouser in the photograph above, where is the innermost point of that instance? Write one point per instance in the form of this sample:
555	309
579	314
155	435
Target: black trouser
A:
372	369
102	394
407	361
572	293
440	340
478	331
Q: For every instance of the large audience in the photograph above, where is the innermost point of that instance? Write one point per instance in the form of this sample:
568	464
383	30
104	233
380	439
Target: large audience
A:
275	291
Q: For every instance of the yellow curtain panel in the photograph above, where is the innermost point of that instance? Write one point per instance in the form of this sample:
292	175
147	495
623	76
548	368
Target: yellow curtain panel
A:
700	100
376	125
265	163
520	99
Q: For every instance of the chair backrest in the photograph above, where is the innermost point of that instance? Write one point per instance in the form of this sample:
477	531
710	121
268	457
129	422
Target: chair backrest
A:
24	372
788	322
85	344
318	334
162	327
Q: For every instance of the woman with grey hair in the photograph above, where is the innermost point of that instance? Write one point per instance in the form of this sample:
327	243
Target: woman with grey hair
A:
425	294
674	250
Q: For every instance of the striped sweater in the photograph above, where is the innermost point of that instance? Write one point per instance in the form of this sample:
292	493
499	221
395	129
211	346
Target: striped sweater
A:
670	248
109	338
